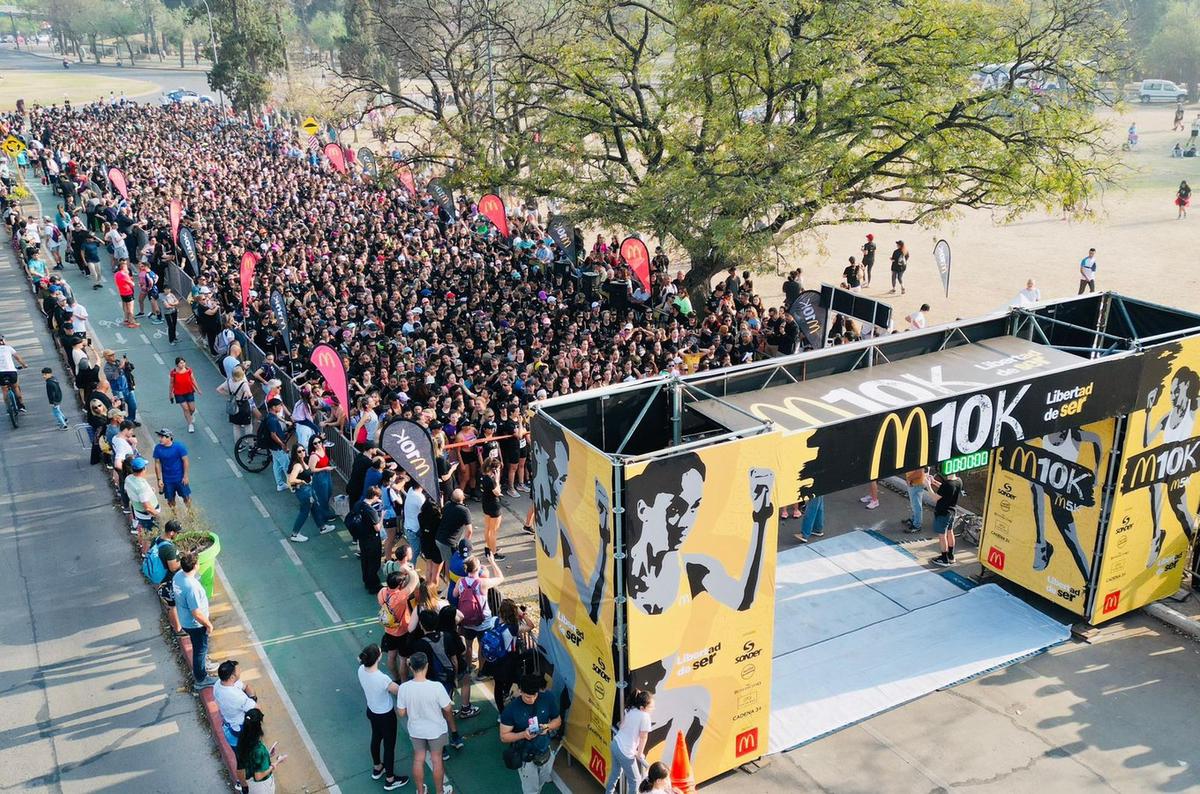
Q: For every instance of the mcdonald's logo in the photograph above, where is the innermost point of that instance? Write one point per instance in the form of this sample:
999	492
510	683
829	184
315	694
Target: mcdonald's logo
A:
798	408
1111	602
326	358
598	766
1142	472
1028	466
903	431
745	743
995	558
490	203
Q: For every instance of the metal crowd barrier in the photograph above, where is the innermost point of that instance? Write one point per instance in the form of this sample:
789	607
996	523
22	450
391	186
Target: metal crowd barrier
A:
342	453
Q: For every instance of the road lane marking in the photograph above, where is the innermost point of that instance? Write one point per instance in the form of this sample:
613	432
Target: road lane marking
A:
159	359
262	509
211	435
328	607
144	339
119	337
291	553
234	468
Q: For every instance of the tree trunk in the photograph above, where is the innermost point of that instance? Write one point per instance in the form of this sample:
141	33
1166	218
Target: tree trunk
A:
182	47
92	42
129	48
702	267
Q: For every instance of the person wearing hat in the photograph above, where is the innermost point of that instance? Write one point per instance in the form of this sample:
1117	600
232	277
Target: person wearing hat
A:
868	258
142	498
171	468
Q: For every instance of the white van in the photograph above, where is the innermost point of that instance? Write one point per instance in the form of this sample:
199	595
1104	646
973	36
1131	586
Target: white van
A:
1161	91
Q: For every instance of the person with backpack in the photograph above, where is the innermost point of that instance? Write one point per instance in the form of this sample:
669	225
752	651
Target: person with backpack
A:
500	647
365	523
443	651
426	706
526	726
472	595
398	619
159	564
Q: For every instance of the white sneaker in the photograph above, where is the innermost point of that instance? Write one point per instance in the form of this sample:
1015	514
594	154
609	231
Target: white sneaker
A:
872	504
298	538
325	530
191	428
864	499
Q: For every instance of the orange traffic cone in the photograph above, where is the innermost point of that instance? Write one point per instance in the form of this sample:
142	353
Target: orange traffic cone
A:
681	768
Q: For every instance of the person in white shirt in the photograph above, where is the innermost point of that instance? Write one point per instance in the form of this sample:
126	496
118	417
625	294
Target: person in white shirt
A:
79	317
1087	272
414	500
9	361
629	744
234	698
380	691
427	706
916	320
1031	294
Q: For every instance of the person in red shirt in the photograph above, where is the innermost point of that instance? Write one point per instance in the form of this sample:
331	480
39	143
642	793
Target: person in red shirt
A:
125	288
184	389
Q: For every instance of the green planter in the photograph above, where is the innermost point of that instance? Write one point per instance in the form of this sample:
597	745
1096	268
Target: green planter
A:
206	561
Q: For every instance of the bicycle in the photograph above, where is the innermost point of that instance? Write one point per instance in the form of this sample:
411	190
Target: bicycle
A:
251	451
10	402
967	525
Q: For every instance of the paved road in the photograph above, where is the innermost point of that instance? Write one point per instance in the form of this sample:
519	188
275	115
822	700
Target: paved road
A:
17	61
91	697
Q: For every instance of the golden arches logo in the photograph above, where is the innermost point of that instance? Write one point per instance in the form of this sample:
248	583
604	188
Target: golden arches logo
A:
491	203
326	358
903	432
799	408
1028	466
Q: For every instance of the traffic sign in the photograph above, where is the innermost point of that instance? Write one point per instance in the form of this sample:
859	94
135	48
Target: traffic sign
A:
310	126
13	145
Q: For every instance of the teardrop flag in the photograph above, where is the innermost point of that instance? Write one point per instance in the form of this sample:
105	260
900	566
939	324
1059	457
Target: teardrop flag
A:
941	257
336	157
637	256
562	231
444	197
329	364
176	219
279	309
491	207
367	158
249	262
187	243
116	178
406	179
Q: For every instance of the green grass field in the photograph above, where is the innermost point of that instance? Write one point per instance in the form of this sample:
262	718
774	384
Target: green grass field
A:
52	87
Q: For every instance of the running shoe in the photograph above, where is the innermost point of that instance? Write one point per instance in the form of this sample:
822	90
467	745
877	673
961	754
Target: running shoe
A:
298	538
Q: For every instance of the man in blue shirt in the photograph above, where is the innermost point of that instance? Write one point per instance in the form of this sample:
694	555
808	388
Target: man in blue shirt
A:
191	606
277	442
528	722
171	467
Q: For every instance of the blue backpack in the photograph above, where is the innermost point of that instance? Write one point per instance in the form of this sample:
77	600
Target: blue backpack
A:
494	644
152	564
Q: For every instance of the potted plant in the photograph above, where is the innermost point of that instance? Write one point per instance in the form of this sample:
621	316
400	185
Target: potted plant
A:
206	546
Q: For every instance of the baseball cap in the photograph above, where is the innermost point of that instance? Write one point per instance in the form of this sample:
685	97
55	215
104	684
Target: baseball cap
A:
165	432
465	548
139	464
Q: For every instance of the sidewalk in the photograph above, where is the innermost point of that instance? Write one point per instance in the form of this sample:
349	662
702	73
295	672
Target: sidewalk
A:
302	605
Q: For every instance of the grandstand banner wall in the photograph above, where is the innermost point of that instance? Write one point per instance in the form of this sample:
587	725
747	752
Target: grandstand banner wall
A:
657	502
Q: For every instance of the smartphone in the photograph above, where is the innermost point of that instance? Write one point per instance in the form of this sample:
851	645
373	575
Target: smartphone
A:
273	746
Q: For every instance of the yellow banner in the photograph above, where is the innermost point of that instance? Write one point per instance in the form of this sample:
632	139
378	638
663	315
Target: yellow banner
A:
1154	510
701	533
572	497
1044	504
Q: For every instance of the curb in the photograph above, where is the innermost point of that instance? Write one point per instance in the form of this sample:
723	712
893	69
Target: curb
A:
212	711
1174	619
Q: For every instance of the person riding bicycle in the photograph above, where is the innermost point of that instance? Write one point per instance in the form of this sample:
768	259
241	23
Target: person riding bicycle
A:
10	362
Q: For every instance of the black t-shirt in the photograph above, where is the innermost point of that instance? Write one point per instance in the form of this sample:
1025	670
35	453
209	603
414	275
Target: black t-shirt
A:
949	491
868	254
491	502
791	291
851	275
450	528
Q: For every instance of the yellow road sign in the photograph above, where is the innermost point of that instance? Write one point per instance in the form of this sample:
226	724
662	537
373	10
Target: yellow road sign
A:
13	145
310	126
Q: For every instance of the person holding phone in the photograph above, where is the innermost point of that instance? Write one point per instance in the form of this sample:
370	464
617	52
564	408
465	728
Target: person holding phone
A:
528	722
253	755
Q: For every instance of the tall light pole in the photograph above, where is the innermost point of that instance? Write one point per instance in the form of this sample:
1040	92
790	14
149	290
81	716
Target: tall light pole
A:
212	38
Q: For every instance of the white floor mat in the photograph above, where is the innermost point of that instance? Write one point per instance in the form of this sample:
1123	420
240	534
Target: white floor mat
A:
860	628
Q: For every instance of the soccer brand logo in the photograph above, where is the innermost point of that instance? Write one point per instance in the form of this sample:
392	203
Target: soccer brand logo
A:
1111	602
746	742
995	558
597	765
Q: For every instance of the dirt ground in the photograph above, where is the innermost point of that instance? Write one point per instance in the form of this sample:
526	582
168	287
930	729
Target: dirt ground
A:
1141	249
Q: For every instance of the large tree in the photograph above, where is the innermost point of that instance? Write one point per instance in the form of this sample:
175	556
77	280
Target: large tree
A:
250	49
1174	52
727	127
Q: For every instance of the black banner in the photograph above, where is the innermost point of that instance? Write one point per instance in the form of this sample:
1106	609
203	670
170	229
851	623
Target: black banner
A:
411	447
811	316
187	244
444	197
1161	464
279	309
563	233
1054	473
880	445
369	164
941	258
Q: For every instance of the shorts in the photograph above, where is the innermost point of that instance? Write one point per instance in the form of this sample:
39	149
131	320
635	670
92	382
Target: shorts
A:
173	489
941	524
127	298
429	745
8	378
400	644
146	524
190	397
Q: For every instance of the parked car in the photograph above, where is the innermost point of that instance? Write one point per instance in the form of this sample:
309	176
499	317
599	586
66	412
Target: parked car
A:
185	96
1161	91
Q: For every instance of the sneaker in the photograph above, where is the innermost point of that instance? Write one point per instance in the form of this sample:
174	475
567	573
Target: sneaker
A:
800	538
395	783
456	739
528	530
97	286
942	562
325	530
298	538
156	320
512	492
446	753
818	533
872	504
497	556
523	488
133	325
865	499
21	409
207	683
467	713
191	428
376	773
140	314
281	488
912	530
64	427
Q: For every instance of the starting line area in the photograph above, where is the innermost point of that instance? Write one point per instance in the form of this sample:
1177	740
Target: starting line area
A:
861	627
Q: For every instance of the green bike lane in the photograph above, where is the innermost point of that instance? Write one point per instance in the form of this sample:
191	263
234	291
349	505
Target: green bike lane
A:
304	602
